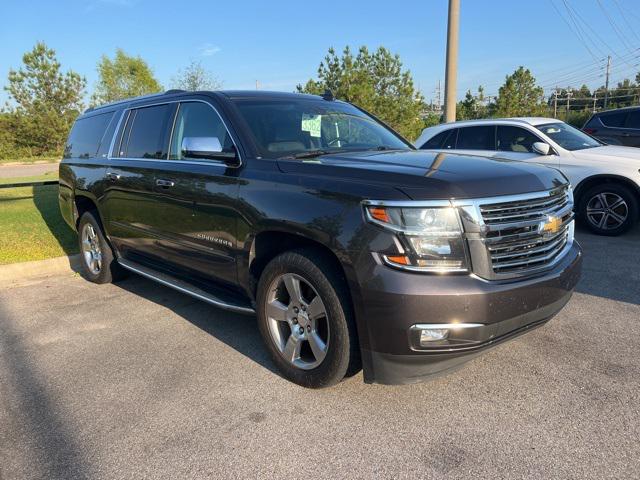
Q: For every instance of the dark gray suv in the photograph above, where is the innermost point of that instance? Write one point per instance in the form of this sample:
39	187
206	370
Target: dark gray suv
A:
616	127
353	249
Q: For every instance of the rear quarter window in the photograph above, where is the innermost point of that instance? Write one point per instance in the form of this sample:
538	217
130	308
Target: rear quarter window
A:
87	135
614	119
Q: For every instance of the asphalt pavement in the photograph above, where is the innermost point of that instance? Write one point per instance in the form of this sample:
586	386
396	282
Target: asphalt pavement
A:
134	380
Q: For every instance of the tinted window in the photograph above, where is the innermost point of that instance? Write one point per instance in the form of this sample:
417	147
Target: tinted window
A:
147	132
476	138
199	120
86	135
615	119
437	141
633	120
515	139
299	125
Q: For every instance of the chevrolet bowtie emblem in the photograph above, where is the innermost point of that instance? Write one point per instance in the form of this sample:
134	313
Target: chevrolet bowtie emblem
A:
551	225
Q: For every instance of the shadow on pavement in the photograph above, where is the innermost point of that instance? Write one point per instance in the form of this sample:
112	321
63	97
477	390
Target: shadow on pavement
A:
239	332
611	266
54	450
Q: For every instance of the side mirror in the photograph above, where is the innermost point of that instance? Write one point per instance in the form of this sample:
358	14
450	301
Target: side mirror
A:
207	148
541	148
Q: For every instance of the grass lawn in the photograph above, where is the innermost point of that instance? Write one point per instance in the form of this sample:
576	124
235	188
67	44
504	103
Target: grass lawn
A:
29	160
31	226
35	178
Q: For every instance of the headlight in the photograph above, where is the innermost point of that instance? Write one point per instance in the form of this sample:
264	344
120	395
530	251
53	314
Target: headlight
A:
431	237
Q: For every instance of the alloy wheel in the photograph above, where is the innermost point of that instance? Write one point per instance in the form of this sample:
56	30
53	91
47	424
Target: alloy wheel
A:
297	321
607	210
91	250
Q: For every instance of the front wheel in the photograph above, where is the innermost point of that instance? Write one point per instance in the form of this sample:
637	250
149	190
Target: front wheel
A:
305	319
608	209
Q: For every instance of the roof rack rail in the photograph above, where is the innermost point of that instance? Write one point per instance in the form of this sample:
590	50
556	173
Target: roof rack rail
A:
131	99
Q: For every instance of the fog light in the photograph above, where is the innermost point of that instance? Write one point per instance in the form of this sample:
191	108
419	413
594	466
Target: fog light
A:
432	335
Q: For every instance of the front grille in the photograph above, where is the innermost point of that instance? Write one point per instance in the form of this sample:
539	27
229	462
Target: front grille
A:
528	234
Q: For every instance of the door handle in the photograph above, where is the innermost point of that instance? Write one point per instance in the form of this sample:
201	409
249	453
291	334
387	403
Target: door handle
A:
164	183
113	176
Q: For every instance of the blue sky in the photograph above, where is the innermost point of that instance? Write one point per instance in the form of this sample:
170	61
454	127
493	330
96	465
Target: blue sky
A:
280	43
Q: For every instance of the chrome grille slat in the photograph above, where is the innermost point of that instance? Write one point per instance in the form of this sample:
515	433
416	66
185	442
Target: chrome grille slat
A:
513	233
530	250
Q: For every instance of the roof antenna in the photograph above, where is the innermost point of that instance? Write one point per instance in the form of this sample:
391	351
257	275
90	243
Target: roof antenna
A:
328	94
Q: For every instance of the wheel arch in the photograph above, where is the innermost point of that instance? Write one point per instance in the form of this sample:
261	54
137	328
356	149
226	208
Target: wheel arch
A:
268	244
589	182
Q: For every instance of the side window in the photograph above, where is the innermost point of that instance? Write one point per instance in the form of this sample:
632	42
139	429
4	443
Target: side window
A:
476	138
633	120
197	120
615	119
437	141
515	139
86	135
146	133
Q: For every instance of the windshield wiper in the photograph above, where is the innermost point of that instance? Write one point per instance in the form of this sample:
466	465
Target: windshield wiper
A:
307	154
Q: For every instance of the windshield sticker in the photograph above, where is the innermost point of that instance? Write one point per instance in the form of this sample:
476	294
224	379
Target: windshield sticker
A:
312	124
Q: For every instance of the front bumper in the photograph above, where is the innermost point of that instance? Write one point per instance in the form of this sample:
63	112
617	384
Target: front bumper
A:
393	301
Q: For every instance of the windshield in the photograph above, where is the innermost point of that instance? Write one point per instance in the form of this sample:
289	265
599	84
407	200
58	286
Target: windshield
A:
305	127
568	137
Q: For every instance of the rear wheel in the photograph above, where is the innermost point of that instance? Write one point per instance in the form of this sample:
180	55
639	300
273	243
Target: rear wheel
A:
97	260
306	320
609	209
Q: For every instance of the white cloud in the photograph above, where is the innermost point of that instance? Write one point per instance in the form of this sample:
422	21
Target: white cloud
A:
208	49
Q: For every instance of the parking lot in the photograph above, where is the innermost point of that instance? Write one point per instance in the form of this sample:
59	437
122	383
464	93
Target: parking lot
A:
135	380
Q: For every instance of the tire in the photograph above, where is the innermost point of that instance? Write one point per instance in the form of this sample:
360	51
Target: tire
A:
281	316
609	209
97	261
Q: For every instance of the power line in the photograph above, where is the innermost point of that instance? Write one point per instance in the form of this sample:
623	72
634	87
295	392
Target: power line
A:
574	31
614	26
624	19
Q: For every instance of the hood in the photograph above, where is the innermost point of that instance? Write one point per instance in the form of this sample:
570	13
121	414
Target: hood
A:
621	155
424	175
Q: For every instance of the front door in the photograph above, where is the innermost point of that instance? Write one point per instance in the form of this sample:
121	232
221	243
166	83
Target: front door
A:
194	207
516	143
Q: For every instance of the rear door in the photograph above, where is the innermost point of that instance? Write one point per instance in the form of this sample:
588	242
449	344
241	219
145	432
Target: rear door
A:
477	140
141	142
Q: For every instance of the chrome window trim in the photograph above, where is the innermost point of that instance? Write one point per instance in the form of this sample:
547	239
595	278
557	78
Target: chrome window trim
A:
189	162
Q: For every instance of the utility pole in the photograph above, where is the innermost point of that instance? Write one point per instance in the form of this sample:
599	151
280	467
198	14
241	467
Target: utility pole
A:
438	97
569	94
451	72
606	83
595	98
555	103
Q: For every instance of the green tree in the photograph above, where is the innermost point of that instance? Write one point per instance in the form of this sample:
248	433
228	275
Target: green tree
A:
43	101
472	107
520	96
375	82
194	78
124	76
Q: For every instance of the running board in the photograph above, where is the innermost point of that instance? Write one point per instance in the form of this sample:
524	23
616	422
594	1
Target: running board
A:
183	287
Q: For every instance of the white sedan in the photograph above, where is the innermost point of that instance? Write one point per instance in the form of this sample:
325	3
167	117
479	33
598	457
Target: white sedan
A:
605	178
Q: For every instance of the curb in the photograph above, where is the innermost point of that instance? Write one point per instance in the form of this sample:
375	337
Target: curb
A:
38	269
